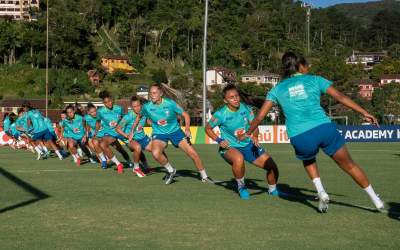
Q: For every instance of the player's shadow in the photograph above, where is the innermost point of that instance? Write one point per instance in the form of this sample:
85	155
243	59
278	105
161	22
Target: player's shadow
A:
394	210
37	193
397	155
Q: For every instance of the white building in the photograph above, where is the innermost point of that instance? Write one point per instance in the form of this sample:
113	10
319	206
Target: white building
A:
262	78
218	76
367	59
18	9
143	92
386	79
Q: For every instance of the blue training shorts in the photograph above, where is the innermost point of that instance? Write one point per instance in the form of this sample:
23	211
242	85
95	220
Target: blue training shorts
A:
250	152
325	136
42	135
175	137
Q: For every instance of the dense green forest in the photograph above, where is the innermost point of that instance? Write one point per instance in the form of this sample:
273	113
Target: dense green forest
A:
163	40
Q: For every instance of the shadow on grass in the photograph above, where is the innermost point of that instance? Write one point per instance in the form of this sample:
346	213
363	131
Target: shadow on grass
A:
397	155
293	194
394	210
38	194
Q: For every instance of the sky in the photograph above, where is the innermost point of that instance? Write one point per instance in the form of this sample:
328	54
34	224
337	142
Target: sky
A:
326	3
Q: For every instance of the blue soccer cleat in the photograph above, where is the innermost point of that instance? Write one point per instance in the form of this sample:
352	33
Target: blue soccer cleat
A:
243	193
277	193
104	164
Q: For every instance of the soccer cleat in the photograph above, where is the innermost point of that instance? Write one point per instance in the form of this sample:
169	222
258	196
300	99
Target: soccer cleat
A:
139	172
39	156
379	204
130	165
323	202
169	177
104	164
243	193
120	168
78	162
208	180
92	160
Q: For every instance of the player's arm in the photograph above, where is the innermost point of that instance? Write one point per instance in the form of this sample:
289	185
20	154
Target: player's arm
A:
266	107
186	117
119	129
346	101
86	131
210	132
133	129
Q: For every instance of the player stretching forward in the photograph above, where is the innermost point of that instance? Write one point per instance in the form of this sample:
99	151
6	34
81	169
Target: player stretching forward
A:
73	130
93	142
162	113
40	133
232	119
136	140
107	119
308	126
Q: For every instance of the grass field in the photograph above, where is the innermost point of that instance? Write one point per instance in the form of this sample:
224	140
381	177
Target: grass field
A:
52	204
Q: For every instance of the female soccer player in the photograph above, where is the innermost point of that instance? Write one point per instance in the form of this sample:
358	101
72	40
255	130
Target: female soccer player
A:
107	119
73	130
136	140
93	141
40	133
163	113
308	126
234	118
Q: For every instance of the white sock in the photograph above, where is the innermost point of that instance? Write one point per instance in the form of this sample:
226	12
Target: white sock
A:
115	160
136	165
240	182
318	185
102	157
80	153
203	174
169	168
75	158
45	149
38	150
59	154
271	188
371	193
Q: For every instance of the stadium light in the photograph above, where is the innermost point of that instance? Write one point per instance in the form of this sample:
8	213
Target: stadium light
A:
205	64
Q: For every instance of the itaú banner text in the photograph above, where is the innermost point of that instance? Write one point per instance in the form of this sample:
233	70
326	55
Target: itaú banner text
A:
369	133
268	134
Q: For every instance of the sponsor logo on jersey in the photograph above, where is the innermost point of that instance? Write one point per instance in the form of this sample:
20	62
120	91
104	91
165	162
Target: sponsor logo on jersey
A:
162	122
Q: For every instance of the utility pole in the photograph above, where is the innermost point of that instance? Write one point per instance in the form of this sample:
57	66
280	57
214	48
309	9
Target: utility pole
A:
47	56
205	64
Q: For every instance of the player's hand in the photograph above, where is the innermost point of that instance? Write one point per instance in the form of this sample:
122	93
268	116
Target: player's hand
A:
84	139
255	141
371	119
188	133
224	144
241	137
130	137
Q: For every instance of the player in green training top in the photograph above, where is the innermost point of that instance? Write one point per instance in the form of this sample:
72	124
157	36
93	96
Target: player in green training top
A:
93	141
108	118
232	119
163	112
308	126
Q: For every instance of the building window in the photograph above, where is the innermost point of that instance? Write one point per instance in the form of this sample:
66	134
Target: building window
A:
246	78
212	81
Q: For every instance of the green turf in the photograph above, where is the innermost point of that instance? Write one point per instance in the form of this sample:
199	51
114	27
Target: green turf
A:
91	208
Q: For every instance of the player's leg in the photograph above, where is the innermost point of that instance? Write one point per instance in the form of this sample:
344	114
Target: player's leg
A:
266	162
158	147
72	147
192	153
96	145
105	145
48	138
236	159
346	163
136	151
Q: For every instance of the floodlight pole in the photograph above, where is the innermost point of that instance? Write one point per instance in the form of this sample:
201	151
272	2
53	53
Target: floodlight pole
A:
205	64
47	55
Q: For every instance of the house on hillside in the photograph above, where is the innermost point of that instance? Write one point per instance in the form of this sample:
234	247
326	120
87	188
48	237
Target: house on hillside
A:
219	76
366	89
143	92
262	77
20	10
366	59
386	79
112	64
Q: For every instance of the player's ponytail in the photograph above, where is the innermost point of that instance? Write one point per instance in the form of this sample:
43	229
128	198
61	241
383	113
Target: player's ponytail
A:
290	64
